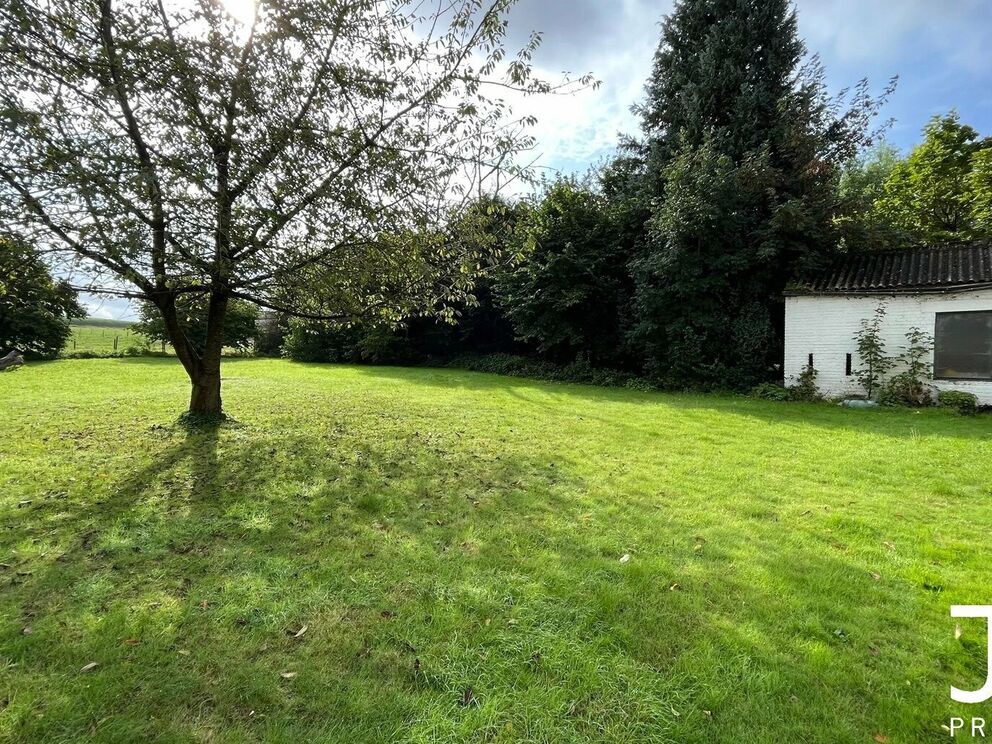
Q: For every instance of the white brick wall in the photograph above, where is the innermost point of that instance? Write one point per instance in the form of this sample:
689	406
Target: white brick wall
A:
826	325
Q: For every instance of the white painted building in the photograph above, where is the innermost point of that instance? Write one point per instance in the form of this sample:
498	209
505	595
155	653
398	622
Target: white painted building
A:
945	291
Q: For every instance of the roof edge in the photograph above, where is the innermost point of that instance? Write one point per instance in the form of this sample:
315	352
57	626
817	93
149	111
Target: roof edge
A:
927	289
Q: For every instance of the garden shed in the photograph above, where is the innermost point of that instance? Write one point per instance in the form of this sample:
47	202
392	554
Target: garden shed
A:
944	290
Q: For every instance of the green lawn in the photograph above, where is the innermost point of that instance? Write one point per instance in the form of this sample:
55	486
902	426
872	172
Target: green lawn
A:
95	334
376	554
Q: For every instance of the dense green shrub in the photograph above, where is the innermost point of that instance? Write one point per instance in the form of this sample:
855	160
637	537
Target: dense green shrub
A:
905	389
770	391
308	341
567	293
911	386
134	350
270	334
239	324
579	371
964	403
35	308
805	388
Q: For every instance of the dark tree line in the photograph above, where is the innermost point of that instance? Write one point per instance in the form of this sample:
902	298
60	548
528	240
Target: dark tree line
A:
671	261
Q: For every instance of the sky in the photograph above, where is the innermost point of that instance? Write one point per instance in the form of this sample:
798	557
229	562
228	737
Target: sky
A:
940	49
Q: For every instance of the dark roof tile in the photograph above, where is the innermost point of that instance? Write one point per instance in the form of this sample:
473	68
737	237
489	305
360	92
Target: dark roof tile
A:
929	268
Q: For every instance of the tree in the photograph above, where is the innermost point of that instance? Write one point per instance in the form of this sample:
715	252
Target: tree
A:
910	387
35	309
874	363
305	161
702	299
862	183
936	194
191	313
722	68
566	294
742	150
980	186
477	324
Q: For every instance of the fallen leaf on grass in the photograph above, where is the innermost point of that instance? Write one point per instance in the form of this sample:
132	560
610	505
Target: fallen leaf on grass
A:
890	546
288	675
957	632
131	642
625	558
183	652
27	630
301	631
873	651
880	738
89	667
875	575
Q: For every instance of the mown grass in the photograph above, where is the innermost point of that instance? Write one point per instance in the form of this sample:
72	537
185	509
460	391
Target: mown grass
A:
451	543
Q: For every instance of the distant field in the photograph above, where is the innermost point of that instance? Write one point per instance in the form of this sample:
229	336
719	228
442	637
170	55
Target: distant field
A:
103	322
98	334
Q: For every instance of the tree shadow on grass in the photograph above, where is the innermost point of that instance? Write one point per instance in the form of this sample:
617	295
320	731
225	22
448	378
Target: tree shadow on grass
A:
183	579
387	574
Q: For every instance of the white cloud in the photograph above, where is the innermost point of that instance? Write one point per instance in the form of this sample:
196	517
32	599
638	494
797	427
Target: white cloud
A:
940	51
95	310
576	130
108	308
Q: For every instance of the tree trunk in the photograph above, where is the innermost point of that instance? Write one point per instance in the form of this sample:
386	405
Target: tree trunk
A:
205	398
202	366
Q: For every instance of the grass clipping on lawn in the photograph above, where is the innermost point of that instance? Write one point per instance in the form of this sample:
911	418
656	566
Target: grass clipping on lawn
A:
371	554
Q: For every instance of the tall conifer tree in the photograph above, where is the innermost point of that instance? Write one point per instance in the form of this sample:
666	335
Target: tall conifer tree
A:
742	150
